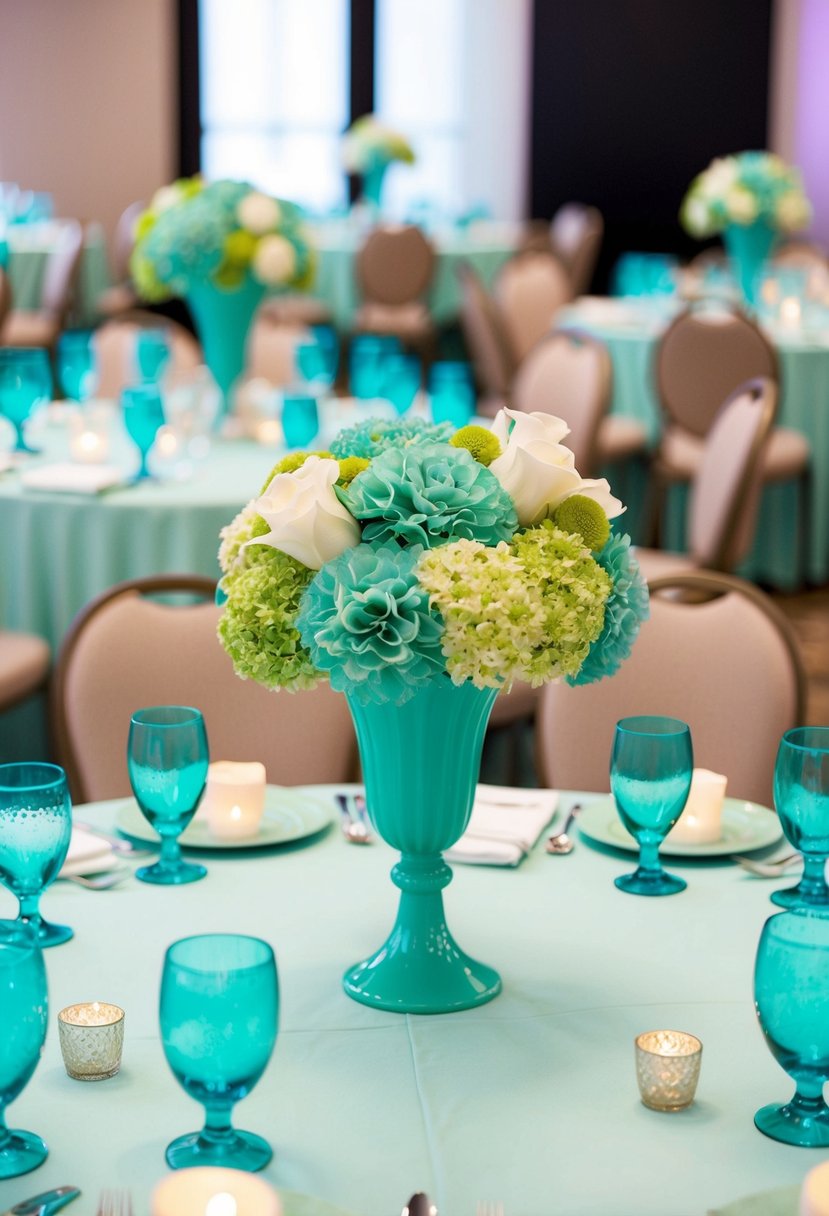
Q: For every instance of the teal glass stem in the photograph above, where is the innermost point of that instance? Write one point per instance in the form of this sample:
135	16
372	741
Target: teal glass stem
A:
421	762
24	1015
143	418
650	777
219	1015
167	760
76	363
801	799
35	829
402	380
25	381
791	995
452	394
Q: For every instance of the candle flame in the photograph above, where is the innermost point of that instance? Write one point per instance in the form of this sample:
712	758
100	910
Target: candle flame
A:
236	813
222	1204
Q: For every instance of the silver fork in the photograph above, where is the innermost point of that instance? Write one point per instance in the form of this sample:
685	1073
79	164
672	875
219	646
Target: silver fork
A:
98	882
484	1208
354	826
770	869
114	1203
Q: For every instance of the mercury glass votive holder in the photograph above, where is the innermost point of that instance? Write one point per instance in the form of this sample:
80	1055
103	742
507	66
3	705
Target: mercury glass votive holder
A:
91	1040
667	1068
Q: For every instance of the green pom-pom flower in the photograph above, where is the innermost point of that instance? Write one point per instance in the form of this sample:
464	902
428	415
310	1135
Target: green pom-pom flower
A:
479	442
584	516
626	608
350	468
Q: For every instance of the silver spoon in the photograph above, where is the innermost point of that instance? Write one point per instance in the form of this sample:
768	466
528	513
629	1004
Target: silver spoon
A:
770	869
99	882
354	830
560	843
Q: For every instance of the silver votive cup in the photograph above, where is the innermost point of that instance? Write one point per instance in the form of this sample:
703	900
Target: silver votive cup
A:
667	1068
91	1040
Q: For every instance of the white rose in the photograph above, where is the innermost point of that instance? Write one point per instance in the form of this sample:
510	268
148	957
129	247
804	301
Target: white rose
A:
164	198
741	205
274	261
258	212
306	519
793	211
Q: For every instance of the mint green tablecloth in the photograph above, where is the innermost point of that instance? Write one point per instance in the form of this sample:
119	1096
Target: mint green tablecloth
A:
530	1100
29	248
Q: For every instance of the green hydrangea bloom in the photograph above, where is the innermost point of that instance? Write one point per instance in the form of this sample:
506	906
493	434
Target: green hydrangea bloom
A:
585	517
247	525
147	283
479	442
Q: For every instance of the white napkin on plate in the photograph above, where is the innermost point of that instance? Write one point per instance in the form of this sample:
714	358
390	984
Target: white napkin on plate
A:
88	854
504	826
72	478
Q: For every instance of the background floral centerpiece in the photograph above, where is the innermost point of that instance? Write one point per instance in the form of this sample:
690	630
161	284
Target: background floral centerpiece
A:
750	198
368	148
422	570
220	245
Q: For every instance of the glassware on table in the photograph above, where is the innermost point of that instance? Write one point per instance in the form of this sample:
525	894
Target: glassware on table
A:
25	381
791	996
801	798
143	418
300	420
402	380
167	759
219	1015
451	393
152	354
366	364
35	828
76	364
23	1021
317	358
650	776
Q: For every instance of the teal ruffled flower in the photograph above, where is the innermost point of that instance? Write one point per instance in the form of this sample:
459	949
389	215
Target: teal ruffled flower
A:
367	622
626	608
376	435
428	494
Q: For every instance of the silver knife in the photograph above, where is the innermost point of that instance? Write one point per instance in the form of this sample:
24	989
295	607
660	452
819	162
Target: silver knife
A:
46	1203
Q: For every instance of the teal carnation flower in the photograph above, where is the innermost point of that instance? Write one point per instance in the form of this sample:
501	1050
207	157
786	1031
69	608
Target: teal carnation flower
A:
626	608
376	435
428	494
367	622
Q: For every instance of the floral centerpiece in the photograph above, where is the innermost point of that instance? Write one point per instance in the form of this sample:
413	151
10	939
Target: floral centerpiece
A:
421	571
368	148
750	198
220	245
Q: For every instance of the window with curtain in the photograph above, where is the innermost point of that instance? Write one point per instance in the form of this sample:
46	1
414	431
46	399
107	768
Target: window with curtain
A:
274	95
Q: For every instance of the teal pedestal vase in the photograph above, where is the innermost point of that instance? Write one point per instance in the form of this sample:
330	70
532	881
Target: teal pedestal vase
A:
420	764
748	246
373	179
223	319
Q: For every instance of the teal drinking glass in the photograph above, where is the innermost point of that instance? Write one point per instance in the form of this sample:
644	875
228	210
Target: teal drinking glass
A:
219	1015
143	418
300	420
23	1020
317	359
402	380
25	381
451	393
366	365
167	759
650	776
35	827
76	364
791	996
801	798
152	354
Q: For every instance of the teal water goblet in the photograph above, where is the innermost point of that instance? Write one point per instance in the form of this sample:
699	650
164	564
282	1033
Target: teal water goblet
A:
402	380
167	759
452	394
35	828
316	359
650	776
300	420
791	996
143	418
25	381
801	798
366	366
219	1015
23	1021
152	354
76	364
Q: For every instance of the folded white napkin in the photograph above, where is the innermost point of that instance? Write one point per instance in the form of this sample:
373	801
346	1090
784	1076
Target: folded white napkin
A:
88	854
72	478
505	825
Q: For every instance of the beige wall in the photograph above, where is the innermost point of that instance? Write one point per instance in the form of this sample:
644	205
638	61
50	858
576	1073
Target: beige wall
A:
87	101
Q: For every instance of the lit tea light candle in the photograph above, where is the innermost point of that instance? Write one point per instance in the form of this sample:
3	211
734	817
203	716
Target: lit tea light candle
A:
701	820
234	799
210	1191
667	1068
89	447
91	1040
269	431
814	1196
790	313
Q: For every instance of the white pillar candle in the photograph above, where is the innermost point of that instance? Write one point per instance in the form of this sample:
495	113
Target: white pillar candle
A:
209	1191
234	799
701	820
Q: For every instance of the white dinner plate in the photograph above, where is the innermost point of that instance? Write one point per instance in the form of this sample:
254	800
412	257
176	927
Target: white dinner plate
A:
289	816
745	826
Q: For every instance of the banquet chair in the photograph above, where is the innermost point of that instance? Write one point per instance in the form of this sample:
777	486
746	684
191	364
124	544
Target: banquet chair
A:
294	309
126	650
486	341
727	664
271	350
394	269
121	297
114	343
41	326
5	297
24	666
530	288
569	374
800	255
576	233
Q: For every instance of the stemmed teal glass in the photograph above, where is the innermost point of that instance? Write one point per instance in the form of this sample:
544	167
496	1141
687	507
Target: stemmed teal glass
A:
791	996
402	380
650	776
35	827
219	1016
317	359
23	1020
143	418
801	798
152	354
167	759
25	380
367	363
300	420
451	392
76	364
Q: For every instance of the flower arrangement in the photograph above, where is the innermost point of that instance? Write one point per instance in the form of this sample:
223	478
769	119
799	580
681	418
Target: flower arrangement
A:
369	143
218	232
410	550
744	189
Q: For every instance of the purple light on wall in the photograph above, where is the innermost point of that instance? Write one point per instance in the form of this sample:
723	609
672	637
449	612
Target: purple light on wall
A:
811	140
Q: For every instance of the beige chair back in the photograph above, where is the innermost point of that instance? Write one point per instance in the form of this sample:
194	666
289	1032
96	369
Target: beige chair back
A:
61	269
576	233
484	335
126	651
271	352
800	255
530	289
568	374
123	240
115	342
395	265
703	356
5	296
728	666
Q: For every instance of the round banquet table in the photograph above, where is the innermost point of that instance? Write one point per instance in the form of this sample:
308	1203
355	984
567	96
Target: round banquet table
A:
29	248
530	1100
